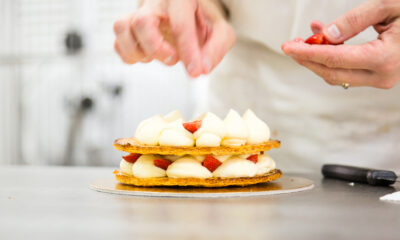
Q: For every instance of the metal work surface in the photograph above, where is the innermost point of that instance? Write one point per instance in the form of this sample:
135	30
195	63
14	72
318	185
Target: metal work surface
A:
56	203
285	184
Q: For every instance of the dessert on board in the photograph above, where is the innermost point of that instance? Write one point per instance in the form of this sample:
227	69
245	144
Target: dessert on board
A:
206	152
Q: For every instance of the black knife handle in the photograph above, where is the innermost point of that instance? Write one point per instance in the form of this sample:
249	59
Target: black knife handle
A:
357	174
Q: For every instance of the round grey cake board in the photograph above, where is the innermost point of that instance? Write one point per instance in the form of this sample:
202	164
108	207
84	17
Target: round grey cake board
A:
285	184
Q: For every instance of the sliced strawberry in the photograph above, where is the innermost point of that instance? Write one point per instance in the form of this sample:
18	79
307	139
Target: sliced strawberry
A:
253	158
132	157
316	39
326	42
211	163
162	163
192	126
319	38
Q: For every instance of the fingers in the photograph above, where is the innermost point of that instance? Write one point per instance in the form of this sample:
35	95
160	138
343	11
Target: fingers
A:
145	26
337	76
365	56
219	43
183	24
316	26
355	21
125	44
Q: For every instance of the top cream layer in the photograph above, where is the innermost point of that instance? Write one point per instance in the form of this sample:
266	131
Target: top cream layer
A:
234	130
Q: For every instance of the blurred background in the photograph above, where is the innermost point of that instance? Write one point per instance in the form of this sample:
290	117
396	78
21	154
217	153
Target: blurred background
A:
65	95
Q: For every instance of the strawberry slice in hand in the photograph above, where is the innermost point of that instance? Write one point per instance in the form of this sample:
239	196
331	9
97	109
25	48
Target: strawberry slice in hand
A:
211	163
192	126
132	157
162	163
253	158
319	39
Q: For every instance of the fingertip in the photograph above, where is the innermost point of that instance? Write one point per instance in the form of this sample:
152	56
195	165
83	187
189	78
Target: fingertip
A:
283	46
194	69
316	26
298	40
287	46
116	48
207	65
332	33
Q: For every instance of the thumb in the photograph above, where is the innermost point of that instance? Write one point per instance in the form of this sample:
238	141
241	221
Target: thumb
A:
355	21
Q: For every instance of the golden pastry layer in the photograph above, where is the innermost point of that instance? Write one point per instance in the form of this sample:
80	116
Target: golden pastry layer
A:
131	145
197	182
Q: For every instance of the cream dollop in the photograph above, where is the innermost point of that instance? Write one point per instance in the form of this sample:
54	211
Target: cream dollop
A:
258	130
149	130
236	130
211	132
125	167
172	158
173	116
236	167
222	158
144	167
174	134
199	158
264	164
187	167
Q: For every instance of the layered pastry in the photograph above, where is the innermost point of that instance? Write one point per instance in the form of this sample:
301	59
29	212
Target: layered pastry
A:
206	152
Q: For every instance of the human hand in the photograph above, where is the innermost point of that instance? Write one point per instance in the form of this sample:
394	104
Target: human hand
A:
192	31
375	64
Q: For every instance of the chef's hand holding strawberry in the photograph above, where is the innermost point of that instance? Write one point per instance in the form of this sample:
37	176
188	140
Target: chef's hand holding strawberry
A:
375	64
192	31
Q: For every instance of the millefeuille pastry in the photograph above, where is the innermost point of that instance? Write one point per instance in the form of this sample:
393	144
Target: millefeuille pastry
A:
207	152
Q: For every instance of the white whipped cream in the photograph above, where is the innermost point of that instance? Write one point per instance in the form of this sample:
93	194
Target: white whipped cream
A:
187	167
149	130
236	167
125	167
211	132
172	158
199	158
173	116
191	166
222	158
264	164
244	156
208	140
144	167
174	134
258	130
236	130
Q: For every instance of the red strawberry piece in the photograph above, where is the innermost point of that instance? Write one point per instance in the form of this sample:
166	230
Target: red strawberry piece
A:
162	163
192	126
132	157
253	158
211	163
318	38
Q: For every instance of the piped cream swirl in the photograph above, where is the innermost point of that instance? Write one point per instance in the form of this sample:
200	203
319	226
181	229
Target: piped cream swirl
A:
258	130
236	130
174	134
144	167
211	132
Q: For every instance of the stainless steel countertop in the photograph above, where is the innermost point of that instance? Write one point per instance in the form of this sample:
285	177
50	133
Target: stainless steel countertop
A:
56	203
